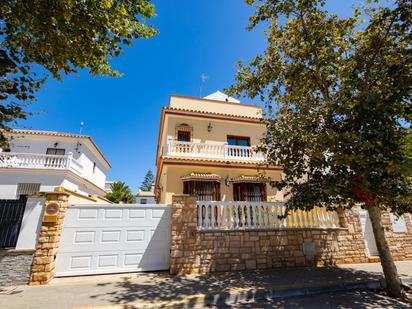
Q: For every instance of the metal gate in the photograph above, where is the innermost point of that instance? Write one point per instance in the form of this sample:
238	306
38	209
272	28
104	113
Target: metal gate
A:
368	235
101	239
11	215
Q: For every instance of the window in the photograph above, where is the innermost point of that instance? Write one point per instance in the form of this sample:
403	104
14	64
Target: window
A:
184	132
183	136
238	140
143	201
251	192
27	189
205	190
55	151
398	223
94	167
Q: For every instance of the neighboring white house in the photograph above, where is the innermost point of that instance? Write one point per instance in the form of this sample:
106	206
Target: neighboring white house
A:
108	186
40	161
146	197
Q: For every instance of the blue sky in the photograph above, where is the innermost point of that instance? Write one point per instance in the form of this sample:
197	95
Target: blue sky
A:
122	114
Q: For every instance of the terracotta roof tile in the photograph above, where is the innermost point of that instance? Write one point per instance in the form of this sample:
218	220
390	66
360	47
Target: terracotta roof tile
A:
211	113
203	176
249	178
212	160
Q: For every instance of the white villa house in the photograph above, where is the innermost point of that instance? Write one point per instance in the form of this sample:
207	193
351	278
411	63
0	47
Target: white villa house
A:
108	185
40	161
146	197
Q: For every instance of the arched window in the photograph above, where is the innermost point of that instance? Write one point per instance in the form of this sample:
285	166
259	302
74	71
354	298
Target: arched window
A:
184	132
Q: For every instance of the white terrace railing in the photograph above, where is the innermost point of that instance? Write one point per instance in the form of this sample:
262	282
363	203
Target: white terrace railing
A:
39	161
204	150
260	215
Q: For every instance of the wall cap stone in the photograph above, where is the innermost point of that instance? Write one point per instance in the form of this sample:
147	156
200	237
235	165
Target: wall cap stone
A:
16	251
56	193
275	230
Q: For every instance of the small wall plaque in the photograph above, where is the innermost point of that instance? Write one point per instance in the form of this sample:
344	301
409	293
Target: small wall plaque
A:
50	212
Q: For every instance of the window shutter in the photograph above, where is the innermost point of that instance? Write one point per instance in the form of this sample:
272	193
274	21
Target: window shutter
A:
398	223
251	192
263	192
204	190
216	191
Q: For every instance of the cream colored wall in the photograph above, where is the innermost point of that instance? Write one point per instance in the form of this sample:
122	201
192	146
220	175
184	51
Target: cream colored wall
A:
172	184
81	199
209	106
219	133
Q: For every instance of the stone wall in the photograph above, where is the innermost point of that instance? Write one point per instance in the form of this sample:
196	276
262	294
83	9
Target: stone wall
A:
15	266
400	244
194	251
48	242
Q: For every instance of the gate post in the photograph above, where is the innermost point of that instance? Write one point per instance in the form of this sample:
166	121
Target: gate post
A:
184	231
49	238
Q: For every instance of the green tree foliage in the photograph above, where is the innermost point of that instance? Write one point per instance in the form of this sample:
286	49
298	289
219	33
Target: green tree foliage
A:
148	181
339	106
61	36
121	193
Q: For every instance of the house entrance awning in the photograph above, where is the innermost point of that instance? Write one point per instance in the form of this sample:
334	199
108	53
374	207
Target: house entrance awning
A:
201	176
249	178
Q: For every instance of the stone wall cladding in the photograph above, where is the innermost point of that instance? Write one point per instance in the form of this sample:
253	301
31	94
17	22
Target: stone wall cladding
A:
197	252
15	266
48	243
400	244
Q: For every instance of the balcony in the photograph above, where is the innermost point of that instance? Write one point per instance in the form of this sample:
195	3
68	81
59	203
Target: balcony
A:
213	151
40	161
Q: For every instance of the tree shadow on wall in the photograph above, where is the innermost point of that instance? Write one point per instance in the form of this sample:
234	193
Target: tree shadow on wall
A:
155	255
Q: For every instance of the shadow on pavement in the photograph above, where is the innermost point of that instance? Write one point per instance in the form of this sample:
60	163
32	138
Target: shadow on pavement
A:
223	288
352	299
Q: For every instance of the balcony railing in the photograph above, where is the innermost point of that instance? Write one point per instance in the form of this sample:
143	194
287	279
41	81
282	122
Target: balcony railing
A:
40	161
261	215
217	151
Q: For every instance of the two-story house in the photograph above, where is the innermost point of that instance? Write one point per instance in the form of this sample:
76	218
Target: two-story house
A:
40	161
146	197
207	147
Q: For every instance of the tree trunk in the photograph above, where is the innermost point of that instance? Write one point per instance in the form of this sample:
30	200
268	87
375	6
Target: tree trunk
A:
393	283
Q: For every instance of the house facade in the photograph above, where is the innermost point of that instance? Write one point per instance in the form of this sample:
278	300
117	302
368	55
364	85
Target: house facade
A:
146	197
40	161
207	147
207	150
108	185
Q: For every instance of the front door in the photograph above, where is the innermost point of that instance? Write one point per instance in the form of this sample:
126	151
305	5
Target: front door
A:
367	230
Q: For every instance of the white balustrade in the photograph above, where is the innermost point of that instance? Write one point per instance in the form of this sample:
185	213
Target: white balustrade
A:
261	215
205	150
39	161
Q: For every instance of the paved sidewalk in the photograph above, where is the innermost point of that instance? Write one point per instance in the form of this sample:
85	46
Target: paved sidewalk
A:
155	290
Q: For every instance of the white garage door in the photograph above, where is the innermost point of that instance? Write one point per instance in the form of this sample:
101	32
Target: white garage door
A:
99	239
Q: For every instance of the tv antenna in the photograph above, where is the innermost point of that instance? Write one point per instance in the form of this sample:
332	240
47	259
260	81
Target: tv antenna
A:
81	127
203	78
